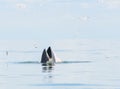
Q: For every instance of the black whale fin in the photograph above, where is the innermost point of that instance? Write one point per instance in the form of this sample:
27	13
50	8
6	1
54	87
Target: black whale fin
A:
49	51
51	54
44	57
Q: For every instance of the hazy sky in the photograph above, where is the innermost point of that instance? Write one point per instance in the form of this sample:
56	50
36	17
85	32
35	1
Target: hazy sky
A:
59	19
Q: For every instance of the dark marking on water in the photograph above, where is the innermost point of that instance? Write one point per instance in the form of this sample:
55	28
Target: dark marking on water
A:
37	62
26	62
65	84
65	62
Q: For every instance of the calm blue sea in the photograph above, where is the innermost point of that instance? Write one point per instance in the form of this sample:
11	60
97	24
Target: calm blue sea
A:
86	64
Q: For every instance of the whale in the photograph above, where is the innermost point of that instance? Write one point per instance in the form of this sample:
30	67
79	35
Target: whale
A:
49	58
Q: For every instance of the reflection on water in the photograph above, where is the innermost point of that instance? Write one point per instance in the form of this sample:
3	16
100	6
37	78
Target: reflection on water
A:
47	68
47	78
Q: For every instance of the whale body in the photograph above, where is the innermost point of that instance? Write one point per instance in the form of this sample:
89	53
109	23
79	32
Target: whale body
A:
48	57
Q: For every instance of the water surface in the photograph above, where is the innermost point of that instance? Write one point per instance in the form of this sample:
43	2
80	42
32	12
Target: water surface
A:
86	64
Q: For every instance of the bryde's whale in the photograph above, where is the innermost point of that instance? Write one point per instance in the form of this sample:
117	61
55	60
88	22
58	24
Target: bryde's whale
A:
49	58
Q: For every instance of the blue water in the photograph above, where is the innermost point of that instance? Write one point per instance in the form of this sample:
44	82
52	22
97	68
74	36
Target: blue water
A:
86	64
